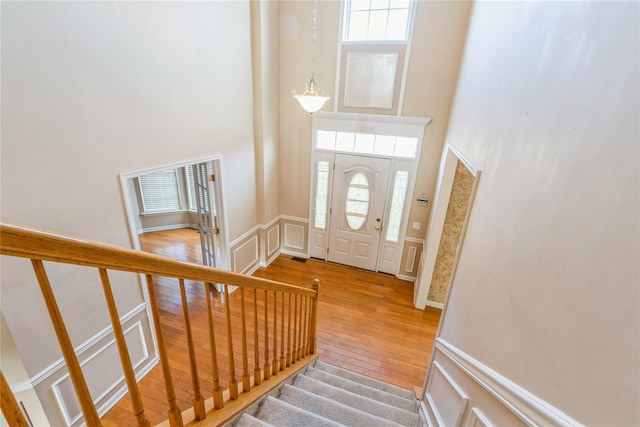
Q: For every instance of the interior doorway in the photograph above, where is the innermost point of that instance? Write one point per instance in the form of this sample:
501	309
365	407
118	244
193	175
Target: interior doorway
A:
181	195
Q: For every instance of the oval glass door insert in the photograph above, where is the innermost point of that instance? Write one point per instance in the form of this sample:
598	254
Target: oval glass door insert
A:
357	206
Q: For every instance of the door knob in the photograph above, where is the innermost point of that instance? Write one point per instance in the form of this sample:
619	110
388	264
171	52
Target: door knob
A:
378	227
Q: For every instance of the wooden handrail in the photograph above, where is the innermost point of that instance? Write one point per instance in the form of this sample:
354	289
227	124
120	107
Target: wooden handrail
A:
301	302
28	243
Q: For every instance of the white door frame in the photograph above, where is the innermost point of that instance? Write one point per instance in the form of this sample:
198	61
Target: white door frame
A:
450	158
127	197
412	127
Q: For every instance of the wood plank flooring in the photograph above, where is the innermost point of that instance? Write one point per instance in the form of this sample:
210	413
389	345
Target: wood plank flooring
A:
366	323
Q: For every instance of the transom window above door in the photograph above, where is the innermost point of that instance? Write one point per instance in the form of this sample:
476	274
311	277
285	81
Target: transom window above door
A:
363	143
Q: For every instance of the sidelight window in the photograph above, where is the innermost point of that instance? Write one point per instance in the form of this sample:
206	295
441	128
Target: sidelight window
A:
322	188
400	184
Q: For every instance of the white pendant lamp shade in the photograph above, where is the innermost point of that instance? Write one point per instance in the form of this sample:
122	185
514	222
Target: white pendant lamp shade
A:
312	100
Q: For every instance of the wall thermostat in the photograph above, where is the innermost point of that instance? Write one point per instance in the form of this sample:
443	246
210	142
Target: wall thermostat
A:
422	201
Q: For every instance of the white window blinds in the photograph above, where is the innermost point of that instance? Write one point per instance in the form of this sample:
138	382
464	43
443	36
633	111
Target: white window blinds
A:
160	191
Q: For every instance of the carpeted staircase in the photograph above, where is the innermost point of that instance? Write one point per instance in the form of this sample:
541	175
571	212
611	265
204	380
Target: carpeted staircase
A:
326	395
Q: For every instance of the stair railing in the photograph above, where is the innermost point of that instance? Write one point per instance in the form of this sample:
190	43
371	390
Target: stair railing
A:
292	314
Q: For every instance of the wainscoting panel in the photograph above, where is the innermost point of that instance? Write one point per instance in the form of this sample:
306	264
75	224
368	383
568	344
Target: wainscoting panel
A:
100	381
273	240
448	401
477	419
245	257
101	366
461	391
294	236
410	261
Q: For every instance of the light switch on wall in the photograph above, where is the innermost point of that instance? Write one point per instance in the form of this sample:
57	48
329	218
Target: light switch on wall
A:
416	225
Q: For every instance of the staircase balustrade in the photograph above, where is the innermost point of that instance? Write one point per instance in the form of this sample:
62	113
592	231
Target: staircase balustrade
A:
290	311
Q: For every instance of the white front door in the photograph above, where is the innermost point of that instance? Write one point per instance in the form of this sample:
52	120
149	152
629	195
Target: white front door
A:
357	208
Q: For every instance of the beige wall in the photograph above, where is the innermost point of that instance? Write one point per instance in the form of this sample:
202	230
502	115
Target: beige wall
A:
265	28
546	291
94	89
436	49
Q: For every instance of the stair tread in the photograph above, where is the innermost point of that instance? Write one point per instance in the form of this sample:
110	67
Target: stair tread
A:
331	409
247	420
354	400
283	414
363	379
361	389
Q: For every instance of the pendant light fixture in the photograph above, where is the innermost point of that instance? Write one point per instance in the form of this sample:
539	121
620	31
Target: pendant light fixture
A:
312	100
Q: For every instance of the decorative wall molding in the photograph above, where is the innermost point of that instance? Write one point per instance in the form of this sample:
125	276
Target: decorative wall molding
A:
414	240
84	347
63	389
477	418
98	357
244	236
449	402
246	256
526	406
294	218
294	236
270	223
273	240
409	265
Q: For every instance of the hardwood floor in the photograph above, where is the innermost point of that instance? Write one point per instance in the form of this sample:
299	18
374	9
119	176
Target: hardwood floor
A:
366	323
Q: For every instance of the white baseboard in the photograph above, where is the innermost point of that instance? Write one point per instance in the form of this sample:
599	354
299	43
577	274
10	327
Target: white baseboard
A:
293	253
407	278
435	304
167	227
268	262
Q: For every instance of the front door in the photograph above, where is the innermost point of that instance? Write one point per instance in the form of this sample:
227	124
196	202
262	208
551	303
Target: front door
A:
357	209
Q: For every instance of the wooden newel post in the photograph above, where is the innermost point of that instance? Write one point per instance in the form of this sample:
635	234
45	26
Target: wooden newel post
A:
314	317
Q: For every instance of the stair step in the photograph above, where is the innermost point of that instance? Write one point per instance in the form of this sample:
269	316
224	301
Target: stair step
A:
282	414
363	390
364	380
374	407
330	409
247	420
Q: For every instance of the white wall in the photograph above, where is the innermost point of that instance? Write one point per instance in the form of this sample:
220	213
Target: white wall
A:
94	89
546	292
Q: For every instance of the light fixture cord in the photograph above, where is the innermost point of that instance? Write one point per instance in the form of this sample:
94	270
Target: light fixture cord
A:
313	49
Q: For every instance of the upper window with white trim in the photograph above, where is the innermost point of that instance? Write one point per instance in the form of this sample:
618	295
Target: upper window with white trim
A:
376	20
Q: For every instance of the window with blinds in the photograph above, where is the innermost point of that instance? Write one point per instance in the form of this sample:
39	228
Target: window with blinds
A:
191	185
160	192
